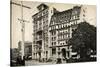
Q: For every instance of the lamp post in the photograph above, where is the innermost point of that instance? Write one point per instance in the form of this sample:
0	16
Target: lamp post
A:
22	30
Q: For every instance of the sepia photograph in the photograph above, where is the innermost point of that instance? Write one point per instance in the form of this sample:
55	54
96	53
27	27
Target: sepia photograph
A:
45	33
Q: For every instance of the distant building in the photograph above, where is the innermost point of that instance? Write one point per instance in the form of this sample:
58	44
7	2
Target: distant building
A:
27	48
14	53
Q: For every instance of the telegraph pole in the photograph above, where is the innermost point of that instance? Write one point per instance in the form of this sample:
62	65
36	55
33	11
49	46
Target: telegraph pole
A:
22	30
22	21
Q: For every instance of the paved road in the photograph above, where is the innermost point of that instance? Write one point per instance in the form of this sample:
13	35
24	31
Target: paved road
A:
33	62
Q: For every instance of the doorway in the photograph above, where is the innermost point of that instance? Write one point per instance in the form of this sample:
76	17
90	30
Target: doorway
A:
64	52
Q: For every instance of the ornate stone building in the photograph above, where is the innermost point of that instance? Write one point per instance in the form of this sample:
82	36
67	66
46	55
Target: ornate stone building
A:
41	21
61	26
52	29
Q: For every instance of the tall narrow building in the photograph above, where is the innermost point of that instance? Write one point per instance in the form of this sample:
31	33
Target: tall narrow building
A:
41	21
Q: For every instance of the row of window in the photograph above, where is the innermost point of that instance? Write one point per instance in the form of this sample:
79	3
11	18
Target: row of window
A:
62	44
39	22
60	26
40	27
65	36
59	21
64	31
65	18
74	17
46	52
40	14
45	25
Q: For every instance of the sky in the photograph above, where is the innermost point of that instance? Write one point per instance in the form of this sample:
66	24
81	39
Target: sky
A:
27	15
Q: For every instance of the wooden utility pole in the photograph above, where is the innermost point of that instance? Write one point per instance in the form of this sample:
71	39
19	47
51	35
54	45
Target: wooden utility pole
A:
22	21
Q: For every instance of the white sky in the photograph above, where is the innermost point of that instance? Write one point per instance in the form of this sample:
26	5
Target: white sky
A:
27	15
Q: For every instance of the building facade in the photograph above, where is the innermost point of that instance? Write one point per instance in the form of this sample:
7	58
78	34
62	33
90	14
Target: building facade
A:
41	21
61	27
27	48
52	29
